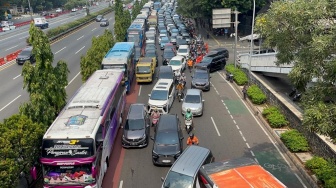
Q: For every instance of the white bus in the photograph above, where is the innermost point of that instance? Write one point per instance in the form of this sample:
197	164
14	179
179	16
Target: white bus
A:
77	146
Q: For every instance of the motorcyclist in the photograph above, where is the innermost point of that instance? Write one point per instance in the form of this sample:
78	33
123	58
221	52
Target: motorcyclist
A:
188	114
183	78
190	64
192	139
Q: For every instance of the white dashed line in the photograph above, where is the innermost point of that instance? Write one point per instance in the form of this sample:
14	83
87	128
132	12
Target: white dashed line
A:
248	146
234	121
140	90
11	48
16	76
121	184
80	37
80	50
72	79
93	29
252	153
237	127
213	122
60	50
9	103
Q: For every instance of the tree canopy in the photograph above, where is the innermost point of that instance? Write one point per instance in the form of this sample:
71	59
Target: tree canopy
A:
122	21
304	34
44	83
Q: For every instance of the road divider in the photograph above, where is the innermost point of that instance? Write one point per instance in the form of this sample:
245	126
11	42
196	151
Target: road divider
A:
2	61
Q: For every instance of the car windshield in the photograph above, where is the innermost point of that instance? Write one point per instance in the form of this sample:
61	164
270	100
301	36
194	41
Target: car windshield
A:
174	34
99	16
150	47
168	55
166	75
192	99
167	138
164	40
25	53
182	50
104	20
135	124
201	75
175	62
206	60
160	95
150	54
143	69
177	180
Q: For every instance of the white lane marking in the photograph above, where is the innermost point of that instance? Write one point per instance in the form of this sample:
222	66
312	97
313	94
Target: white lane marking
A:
94	29
72	79
230	115
248	146
9	103
24	37
237	127
80	37
213	122
121	184
300	180
110	19
140	90
80	50
12	36
252	153
16	76
12	47
262	128
60	50
234	121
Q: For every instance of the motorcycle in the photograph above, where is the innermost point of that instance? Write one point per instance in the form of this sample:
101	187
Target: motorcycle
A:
180	95
188	123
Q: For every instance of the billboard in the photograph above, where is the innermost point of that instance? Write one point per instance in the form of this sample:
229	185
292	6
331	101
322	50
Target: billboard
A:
221	18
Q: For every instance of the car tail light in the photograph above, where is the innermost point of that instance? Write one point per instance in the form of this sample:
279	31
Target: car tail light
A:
204	181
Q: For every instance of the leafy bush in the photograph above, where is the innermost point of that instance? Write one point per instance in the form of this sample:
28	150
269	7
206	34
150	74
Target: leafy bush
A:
238	75
324	170
295	141
256	95
274	117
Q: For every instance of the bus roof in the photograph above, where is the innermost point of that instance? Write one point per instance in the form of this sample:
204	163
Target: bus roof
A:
122	47
115	58
79	118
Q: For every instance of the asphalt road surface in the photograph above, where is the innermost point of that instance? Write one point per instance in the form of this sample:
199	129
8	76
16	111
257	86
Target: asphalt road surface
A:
11	41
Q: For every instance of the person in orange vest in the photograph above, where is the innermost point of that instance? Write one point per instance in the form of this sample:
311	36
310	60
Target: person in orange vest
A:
190	64
192	140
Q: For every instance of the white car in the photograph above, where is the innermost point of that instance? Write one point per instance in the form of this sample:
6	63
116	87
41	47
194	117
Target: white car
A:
162	96
178	64
161	36
58	10
74	10
8	28
183	50
152	29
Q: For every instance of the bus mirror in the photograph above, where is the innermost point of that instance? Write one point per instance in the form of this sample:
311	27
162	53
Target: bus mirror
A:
33	173
94	172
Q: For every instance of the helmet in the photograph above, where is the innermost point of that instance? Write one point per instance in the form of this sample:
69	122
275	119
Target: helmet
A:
191	135
183	74
188	110
155	109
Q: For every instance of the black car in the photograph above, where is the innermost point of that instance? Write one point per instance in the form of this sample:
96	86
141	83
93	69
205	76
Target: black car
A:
180	41
167	55
152	53
166	72
201	80
150	47
99	18
211	63
104	22
136	129
168	138
25	55
219	52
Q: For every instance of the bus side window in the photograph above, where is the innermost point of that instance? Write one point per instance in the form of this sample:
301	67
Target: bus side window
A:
99	136
106	126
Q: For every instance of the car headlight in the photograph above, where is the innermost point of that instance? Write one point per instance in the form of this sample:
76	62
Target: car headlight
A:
144	135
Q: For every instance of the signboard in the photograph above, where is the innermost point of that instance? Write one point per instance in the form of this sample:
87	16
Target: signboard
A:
221	18
74	148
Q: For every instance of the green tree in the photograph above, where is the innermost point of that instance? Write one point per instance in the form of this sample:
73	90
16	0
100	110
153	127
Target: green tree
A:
20	140
118	8
243	6
136	10
121	25
94	56
44	83
304	34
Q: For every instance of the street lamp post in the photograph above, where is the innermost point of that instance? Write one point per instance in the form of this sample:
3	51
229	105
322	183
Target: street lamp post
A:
30	10
251	45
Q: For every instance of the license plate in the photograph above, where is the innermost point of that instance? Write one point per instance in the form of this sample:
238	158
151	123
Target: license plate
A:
166	161
133	144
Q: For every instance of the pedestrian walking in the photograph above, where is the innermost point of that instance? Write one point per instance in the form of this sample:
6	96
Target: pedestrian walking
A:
245	91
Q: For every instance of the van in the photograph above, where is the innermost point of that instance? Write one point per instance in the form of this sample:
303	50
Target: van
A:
162	96
136	129
184	172
166	72
41	22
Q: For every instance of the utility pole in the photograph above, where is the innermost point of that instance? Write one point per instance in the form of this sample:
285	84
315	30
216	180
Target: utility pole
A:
30	10
252	37
236	36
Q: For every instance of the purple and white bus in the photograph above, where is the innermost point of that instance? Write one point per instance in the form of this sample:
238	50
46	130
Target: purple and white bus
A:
77	146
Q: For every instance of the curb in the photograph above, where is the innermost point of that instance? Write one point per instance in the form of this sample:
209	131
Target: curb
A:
297	163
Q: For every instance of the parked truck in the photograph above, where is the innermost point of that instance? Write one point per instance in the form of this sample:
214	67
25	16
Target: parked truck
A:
152	21
41	22
145	69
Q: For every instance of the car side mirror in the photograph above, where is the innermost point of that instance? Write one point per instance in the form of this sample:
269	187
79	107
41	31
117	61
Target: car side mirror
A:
152	138
170	96
147	125
149	95
121	126
181	99
192	77
182	138
162	179
203	100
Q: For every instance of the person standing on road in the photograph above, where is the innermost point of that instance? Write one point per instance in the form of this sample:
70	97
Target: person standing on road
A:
245	91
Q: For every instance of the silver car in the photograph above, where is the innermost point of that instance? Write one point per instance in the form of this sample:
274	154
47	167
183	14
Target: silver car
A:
193	100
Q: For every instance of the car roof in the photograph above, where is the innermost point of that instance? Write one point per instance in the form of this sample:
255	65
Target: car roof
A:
193	92
184	46
163	84
165	68
136	111
168	122
178	57
28	48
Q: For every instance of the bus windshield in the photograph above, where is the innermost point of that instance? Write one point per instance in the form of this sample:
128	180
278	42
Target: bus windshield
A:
68	174
115	66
